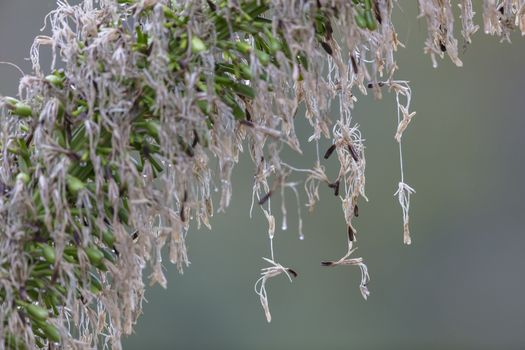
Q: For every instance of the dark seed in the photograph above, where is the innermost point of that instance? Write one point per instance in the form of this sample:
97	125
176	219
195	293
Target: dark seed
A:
356	210
293	272
212	6
335	186
135	235
327	48
329	29
379	83
265	198
353	153
246	123
376	12
442	46
196	139
326	263
183	207
181	213
329	152
351	234
354	64
76	238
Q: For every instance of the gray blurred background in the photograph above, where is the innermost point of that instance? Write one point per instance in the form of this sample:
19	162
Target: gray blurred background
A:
459	286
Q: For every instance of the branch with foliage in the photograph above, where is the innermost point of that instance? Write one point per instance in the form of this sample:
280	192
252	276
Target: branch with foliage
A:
110	158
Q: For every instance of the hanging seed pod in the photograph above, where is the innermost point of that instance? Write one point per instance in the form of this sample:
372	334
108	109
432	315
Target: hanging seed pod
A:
14	343
108	255
95	284
48	252
22	110
370	21
18	108
197	45
109	238
95	255
37	313
361	21
51	332
55	81
74	184
23	177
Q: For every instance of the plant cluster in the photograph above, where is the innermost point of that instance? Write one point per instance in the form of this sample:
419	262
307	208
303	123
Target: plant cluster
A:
110	158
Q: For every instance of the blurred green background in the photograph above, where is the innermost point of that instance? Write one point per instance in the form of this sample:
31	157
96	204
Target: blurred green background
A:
461	283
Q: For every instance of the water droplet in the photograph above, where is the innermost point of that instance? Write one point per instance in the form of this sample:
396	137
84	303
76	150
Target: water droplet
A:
301	237
83	164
